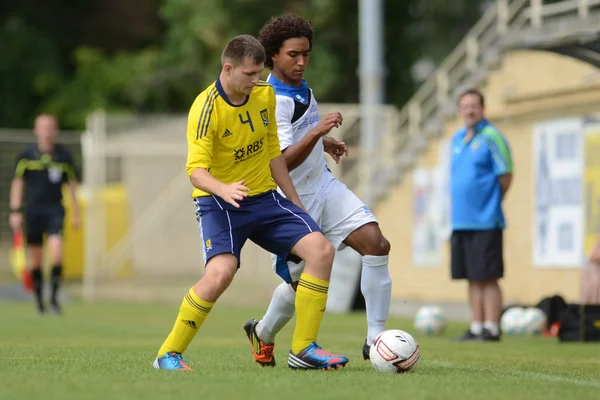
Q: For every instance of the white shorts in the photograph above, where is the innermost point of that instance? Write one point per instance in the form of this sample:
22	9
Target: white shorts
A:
338	212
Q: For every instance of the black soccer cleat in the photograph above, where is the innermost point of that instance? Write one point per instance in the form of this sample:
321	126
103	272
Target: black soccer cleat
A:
366	350
41	309
55	308
468	336
486	336
262	352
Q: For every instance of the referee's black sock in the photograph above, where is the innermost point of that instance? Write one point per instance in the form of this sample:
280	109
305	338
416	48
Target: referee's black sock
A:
55	282
36	277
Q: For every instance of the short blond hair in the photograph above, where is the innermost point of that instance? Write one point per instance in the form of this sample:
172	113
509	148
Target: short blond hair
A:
242	47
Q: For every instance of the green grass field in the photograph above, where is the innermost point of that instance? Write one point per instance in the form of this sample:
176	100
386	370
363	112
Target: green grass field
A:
105	351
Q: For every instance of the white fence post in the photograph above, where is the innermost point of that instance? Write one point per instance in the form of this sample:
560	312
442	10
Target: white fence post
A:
502	16
93	143
584	9
536	13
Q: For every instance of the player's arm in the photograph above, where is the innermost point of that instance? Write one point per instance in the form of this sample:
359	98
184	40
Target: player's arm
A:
278	164
74	203
200	135
505	181
282	178
17	189
70	178
595	254
203	180
295	153
298	152
501	160
200	146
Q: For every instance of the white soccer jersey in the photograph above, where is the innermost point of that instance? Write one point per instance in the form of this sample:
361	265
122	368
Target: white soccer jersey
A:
297	113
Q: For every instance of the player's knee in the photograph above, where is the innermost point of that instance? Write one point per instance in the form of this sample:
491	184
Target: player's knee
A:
326	252
321	252
35	256
491	283
56	256
221	278
477	285
219	272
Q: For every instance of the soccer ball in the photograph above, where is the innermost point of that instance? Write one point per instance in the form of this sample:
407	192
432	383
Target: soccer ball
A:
395	351
534	321
430	320
512	321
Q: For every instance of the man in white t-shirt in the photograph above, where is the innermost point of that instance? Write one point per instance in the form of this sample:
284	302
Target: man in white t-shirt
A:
342	216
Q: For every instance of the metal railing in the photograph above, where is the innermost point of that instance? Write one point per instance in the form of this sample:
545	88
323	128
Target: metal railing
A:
437	95
467	65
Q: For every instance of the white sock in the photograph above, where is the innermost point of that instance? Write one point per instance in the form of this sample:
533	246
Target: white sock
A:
492	327
280	312
376	287
476	327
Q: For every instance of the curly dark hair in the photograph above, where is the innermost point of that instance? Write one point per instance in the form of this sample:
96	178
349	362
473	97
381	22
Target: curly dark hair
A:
279	29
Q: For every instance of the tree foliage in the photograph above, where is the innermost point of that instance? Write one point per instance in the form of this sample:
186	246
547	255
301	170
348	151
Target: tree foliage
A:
164	72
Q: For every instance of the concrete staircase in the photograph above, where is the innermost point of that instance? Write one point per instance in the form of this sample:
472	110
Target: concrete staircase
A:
569	27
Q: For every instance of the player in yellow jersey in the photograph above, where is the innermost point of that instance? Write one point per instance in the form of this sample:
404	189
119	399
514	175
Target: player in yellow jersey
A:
235	165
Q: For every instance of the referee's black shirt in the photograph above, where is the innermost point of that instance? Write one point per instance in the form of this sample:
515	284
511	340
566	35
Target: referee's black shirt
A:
44	175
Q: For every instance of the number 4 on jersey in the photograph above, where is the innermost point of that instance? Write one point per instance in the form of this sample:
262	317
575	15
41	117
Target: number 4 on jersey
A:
248	120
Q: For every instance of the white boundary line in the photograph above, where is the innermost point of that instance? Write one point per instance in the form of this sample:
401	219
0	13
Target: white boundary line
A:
517	372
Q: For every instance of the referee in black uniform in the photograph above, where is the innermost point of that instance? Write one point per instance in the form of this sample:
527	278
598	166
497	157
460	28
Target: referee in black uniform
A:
36	203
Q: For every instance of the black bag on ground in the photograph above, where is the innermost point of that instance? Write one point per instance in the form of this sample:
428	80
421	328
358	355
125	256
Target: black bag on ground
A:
552	306
580	323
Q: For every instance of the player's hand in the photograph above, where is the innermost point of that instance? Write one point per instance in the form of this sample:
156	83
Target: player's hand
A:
335	148
330	121
296	201
15	220
595	257
590	279
595	253
299	204
76	222
234	193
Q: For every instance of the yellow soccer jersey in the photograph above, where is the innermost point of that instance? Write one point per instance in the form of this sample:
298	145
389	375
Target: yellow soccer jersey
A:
234	142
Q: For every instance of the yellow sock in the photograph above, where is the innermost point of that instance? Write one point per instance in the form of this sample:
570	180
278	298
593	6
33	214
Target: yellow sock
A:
192	313
311	299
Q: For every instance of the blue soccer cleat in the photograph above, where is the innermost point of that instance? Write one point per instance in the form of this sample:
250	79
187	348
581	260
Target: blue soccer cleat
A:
314	357
171	361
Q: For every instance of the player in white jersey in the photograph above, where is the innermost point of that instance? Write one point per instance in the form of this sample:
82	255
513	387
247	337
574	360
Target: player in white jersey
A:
342	216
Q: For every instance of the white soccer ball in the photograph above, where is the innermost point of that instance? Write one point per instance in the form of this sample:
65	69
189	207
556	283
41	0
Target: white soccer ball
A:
534	321
395	351
430	320
512	321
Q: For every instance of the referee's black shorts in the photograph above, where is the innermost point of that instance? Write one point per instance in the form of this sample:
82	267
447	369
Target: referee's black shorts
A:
46	220
477	255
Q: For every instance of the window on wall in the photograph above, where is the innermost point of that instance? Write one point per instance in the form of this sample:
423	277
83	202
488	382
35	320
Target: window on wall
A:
565	237
566	146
